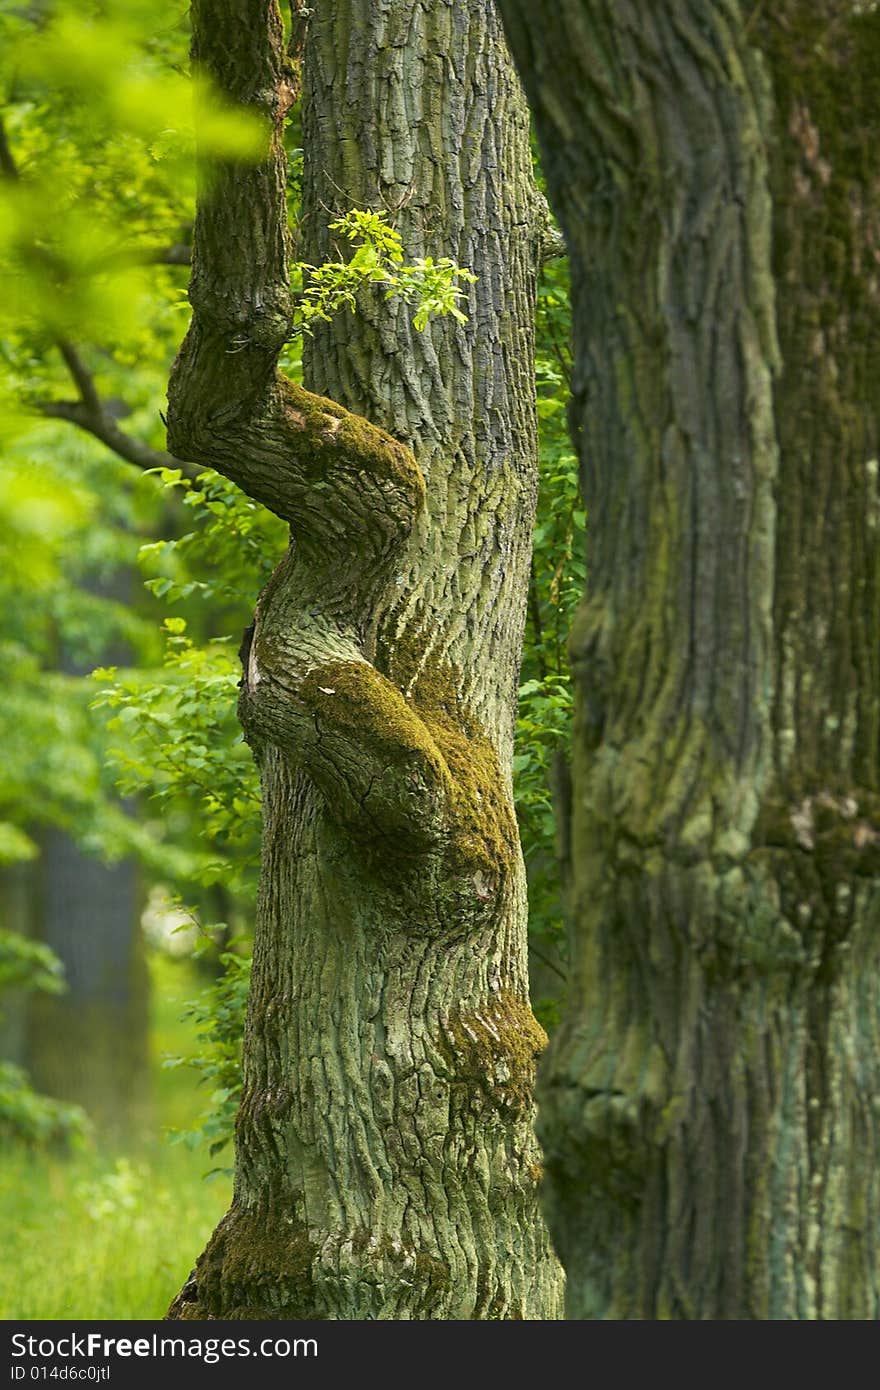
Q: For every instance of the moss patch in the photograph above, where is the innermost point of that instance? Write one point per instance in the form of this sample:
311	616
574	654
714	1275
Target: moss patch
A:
354	695
257	1265
433	725
494	1050
332	434
485	837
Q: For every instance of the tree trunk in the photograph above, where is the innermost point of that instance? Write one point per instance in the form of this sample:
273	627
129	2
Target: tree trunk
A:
708	1110
16	915
90	1044
386	1166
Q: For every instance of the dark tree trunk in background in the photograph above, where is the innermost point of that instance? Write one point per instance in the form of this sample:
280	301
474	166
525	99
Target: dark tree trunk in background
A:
17	899
90	1044
709	1108
385	1163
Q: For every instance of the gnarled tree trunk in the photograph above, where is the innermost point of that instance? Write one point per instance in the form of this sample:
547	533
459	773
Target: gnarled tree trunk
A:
709	1108
385	1160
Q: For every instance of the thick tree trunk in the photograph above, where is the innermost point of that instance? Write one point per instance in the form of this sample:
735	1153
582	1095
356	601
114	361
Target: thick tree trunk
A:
708	1110
386	1166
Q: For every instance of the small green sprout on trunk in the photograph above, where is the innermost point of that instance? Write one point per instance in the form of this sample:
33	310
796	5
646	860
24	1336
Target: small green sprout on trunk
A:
428	284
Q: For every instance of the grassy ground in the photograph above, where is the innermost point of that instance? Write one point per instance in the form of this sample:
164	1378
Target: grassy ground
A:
113	1234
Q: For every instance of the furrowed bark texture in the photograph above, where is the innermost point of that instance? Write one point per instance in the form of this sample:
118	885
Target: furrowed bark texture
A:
708	1110
386	1166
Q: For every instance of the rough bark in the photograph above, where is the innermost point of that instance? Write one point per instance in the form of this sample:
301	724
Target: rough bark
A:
708	1109
386	1165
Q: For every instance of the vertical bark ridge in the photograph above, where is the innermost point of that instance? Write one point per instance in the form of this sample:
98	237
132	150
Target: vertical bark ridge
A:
823	820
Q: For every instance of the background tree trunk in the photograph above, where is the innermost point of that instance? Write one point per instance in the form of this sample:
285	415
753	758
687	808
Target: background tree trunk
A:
386	1165
16	915
90	1044
709	1108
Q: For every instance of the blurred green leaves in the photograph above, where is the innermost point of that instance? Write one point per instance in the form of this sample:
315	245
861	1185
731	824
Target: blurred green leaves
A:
98	159
218	1014
26	964
65	527
27	1117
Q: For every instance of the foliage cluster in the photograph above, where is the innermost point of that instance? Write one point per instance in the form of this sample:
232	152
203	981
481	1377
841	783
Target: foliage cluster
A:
427	284
543	731
217	1015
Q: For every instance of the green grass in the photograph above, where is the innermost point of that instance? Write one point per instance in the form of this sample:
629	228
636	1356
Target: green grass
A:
113	1234
98	1237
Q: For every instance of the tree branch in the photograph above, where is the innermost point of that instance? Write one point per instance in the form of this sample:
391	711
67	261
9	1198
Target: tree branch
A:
553	246
180	253
355	735
81	375
88	413
332	475
7	160
102	426
350	492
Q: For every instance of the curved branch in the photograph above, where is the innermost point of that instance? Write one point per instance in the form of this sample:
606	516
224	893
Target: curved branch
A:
98	423
553	246
88	413
350	492
357	738
83	379
329	473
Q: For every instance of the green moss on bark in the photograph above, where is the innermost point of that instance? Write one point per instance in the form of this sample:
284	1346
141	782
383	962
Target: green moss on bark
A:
354	695
485	838
494	1050
257	1265
480	839
333	435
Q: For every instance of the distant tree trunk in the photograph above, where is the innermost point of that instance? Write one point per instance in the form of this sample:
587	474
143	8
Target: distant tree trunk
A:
90	1044
16	915
709	1108
386	1165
